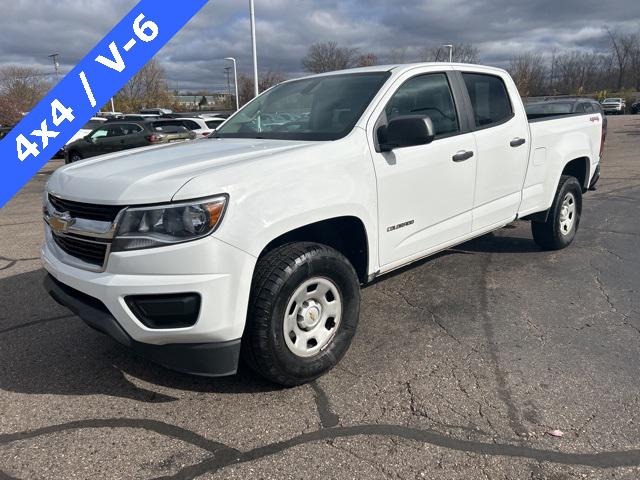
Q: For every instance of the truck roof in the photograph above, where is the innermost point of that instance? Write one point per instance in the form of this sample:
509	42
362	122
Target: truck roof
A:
402	67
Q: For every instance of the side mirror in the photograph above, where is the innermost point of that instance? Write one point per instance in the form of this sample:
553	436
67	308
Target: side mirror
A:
407	131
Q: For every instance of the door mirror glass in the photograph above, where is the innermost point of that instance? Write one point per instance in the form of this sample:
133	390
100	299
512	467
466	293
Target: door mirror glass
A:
406	131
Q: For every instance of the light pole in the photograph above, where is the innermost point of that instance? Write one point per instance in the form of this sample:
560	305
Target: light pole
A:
450	47
56	65
252	11
235	78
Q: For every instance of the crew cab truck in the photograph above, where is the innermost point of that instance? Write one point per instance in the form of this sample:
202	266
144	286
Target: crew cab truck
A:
254	243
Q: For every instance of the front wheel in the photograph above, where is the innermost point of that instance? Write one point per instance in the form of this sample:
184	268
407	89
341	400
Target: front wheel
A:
564	217
303	313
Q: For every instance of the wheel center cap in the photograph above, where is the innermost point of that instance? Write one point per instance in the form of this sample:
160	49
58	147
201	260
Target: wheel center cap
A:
309	315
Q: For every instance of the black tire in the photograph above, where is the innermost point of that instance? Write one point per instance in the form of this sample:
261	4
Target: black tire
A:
73	157
552	235
279	274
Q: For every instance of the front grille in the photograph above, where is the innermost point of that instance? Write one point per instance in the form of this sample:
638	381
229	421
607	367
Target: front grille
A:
89	252
102	213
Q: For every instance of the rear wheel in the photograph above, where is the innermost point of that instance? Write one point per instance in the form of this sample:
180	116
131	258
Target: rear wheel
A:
564	217
303	313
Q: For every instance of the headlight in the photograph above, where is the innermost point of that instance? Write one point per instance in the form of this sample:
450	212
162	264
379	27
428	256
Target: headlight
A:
148	227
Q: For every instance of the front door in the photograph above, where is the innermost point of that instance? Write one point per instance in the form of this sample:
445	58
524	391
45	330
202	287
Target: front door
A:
425	193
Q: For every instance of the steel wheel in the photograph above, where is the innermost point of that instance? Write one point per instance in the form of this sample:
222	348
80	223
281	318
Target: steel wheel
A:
567	214
312	317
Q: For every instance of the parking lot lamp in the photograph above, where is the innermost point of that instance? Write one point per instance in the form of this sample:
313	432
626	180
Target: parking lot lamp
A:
252	10
235	78
450	47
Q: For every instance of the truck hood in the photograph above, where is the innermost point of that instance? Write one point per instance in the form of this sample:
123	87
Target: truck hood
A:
155	174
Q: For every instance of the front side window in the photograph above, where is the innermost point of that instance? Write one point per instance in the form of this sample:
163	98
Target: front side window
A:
100	133
489	99
318	108
428	95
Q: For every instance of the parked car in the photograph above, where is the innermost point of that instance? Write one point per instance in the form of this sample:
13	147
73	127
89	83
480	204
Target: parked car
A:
614	105
4	130
197	125
139	117
156	111
565	106
214	122
91	125
117	136
635	107
109	114
256	241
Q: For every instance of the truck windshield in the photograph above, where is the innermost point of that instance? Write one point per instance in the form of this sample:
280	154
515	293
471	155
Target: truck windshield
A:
320	108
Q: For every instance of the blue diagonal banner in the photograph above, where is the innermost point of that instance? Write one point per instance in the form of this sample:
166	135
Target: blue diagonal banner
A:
97	78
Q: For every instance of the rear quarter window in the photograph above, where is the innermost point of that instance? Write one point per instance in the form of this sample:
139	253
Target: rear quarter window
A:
489	99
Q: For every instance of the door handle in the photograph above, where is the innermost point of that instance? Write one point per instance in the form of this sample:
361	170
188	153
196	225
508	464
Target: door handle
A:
516	142
462	156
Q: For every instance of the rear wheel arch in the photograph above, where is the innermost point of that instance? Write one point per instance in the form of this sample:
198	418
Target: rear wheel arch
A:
580	169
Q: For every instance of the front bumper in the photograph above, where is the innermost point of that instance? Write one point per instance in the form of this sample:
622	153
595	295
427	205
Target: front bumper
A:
206	359
177	269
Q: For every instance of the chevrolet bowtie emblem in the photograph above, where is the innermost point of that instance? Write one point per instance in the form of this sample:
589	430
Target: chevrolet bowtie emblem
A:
61	222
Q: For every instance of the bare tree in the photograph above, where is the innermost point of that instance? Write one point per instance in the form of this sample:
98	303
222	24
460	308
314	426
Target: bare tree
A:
366	60
575	72
462	53
529	72
622	47
634	66
267	80
147	89
399	55
21	88
328	57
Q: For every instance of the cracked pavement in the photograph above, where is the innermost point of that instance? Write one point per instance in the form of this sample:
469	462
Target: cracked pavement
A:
461	366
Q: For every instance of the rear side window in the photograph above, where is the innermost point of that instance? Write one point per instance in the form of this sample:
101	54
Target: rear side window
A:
130	129
214	123
581	108
489	99
428	95
190	124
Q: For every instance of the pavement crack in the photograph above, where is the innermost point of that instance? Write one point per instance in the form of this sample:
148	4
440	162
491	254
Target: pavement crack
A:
35	322
328	419
13	261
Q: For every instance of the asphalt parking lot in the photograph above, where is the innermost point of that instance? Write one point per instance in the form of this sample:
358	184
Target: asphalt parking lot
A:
461	367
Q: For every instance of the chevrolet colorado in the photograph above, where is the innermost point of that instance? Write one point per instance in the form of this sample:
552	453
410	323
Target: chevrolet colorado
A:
254	243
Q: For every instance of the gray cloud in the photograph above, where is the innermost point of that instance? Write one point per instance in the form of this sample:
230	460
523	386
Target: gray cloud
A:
193	59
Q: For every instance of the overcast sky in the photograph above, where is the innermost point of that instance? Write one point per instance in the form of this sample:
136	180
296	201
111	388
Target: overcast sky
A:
29	30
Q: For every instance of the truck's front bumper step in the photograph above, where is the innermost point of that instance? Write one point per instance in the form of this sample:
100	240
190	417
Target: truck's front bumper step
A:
204	359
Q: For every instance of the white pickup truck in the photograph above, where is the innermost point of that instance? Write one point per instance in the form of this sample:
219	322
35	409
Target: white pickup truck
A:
255	242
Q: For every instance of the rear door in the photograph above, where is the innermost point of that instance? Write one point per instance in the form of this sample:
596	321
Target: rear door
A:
425	195
502	140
